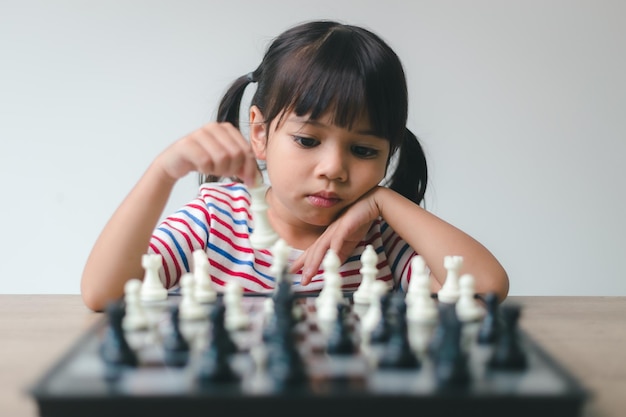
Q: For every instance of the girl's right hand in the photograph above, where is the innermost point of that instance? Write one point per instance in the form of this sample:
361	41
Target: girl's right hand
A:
216	149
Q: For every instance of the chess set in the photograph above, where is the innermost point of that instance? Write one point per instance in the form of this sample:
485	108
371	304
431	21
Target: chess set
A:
196	352
283	353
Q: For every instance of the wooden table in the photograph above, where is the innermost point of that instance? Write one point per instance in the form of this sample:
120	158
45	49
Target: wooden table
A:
586	334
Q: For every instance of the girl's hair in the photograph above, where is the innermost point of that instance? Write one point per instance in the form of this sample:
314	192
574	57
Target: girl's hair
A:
326	67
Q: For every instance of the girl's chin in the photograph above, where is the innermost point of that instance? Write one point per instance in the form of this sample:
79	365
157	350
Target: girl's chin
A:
317	220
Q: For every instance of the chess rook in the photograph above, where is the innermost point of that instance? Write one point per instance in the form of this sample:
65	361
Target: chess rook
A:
450	291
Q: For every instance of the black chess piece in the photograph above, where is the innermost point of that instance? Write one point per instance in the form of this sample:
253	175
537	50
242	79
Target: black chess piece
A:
175	346
214	364
115	350
283	295
444	310
219	333
398	352
340	341
382	331
282	315
488	331
451	362
284	361
507	351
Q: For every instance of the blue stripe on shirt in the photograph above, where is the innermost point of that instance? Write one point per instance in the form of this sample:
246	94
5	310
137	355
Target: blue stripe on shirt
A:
401	252
179	249
238	261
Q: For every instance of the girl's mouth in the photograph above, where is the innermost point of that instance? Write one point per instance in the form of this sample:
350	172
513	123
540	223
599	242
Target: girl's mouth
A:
323	201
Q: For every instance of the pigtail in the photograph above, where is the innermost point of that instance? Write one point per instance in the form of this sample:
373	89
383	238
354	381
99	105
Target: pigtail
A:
411	175
228	111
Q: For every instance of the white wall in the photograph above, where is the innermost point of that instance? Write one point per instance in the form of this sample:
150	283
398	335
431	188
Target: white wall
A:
519	104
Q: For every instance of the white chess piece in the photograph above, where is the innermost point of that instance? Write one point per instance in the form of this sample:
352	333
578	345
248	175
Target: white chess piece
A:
152	288
422	313
331	292
449	292
268	310
263	235
235	317
368	272
420	305
469	311
280	251
419	270
203	286
374	313
189	307
467	307
135	317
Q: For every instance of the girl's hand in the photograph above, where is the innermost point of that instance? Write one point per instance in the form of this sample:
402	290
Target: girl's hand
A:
342	236
216	148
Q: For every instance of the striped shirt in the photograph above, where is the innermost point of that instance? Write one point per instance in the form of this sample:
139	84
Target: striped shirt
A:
219	221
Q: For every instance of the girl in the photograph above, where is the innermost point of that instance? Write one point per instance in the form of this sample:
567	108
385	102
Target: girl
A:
328	121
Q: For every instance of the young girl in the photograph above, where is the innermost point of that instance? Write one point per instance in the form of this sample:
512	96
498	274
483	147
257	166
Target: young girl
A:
328	121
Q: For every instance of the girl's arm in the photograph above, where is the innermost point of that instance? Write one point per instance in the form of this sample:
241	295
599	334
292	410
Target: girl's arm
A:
116	254
433	238
216	148
427	234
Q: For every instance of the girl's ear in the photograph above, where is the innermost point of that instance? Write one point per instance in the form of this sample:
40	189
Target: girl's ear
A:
258	133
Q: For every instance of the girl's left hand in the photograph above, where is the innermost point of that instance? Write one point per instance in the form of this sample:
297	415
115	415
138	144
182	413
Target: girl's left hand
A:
342	236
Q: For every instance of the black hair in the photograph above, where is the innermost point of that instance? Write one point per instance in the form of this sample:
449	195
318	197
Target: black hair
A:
326	67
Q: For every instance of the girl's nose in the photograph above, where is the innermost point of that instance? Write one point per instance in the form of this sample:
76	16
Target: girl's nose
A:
333	165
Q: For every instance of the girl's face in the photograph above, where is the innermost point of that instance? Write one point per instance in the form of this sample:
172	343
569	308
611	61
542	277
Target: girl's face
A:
315	168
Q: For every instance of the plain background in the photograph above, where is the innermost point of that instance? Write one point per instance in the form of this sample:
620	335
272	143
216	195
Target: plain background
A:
520	106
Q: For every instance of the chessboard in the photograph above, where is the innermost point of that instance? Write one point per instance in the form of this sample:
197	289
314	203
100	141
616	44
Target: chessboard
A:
289	354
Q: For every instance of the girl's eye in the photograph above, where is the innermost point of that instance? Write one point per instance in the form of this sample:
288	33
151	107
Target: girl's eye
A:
364	152
305	142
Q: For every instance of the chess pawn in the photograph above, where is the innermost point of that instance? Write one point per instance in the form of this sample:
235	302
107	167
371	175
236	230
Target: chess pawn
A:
203	286
340	340
489	327
190	309
368	273
152	288
115	349
467	307
135	317
214	364
175	346
449	292
468	310
235	317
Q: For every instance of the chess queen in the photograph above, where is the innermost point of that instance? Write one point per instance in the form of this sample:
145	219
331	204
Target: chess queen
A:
327	137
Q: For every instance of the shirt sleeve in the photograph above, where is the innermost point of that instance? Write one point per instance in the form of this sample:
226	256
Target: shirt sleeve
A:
399	255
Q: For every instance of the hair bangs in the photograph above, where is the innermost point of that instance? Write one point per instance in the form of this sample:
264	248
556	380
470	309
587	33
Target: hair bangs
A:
329	78
343	72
